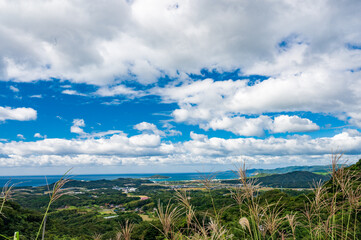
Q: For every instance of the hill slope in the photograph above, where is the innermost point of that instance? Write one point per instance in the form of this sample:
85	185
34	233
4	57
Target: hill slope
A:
296	179
316	168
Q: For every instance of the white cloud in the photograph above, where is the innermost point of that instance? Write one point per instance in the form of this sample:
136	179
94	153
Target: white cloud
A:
72	92
77	126
241	125
286	123
117	144
38	135
118	90
113	102
149	127
170	130
102	134
36	96
355	119
244	126
326	87
20	136
198	137
257	126
19	114
14	89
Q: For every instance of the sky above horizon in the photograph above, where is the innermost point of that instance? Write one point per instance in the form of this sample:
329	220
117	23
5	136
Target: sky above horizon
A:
132	86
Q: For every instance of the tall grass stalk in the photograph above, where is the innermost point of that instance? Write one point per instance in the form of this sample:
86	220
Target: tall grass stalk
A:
5	194
55	194
207	181
167	216
292	221
125	231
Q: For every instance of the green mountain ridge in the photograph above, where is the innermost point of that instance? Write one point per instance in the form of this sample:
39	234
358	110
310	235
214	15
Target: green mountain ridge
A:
315	168
296	179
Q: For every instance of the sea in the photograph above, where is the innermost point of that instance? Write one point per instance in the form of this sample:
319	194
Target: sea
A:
34	181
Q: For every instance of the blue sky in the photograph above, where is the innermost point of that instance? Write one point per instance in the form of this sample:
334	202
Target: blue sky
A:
177	86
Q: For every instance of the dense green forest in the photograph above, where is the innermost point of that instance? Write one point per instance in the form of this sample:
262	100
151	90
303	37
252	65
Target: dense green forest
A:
103	210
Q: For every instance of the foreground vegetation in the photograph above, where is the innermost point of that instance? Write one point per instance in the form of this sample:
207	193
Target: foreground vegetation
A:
243	211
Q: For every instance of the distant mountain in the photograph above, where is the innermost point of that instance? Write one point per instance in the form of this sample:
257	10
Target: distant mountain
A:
296	179
314	169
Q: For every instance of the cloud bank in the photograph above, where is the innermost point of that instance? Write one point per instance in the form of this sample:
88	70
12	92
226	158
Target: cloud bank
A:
142	40
148	148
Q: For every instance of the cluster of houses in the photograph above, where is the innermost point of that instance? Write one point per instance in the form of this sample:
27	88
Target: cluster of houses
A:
125	189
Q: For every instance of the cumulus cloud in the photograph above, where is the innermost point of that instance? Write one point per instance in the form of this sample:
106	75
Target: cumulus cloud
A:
117	144
19	114
151	128
77	126
20	136
257	126
145	126
38	135
209	104
240	125
197	137
170	130
322	88
286	123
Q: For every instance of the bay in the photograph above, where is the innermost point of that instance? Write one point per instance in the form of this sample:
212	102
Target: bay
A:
33	181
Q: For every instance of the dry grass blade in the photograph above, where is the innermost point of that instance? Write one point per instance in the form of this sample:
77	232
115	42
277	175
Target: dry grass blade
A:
55	194
183	199
97	236
57	189
354	197
167	217
207	180
5	194
245	224
125	231
272	217
217	230
335	161
320	194
248	186
292	221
